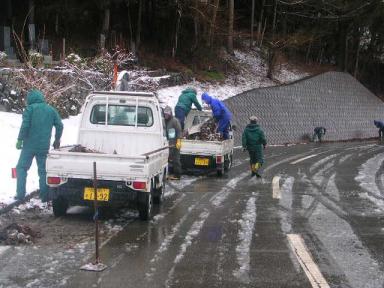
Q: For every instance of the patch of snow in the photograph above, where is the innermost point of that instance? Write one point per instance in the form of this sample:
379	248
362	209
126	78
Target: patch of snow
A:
245	234
191	234
367	179
220	196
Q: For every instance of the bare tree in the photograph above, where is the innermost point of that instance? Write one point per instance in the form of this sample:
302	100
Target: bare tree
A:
231	12
252	23
212	27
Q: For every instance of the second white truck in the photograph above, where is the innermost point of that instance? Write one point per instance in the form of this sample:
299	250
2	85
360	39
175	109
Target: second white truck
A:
204	156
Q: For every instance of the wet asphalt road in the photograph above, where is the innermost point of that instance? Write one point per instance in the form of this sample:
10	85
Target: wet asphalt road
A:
315	219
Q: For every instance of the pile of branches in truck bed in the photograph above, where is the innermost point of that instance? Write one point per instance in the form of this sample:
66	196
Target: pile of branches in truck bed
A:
205	131
82	149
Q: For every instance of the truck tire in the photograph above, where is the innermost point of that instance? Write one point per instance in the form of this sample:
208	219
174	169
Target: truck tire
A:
228	162
145	202
220	172
158	196
60	206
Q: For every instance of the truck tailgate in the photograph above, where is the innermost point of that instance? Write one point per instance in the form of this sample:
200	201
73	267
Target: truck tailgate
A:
109	167
209	148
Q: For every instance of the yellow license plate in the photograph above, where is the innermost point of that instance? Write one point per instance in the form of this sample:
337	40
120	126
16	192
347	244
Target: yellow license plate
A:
102	194
201	161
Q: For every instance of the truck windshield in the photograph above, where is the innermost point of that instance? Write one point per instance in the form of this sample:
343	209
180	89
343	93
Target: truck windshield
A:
122	115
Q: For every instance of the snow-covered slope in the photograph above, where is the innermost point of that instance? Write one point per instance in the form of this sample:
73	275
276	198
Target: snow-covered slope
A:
252	74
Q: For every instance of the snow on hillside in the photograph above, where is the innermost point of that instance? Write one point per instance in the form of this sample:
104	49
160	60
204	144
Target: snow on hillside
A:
9	127
252	74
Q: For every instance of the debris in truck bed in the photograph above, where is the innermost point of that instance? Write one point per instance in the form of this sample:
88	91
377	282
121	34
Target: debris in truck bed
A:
207	132
82	149
15	234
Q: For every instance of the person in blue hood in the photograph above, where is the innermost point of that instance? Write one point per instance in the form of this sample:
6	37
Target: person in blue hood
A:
221	114
34	140
380	125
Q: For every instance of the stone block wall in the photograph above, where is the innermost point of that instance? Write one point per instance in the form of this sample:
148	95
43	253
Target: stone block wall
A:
289	113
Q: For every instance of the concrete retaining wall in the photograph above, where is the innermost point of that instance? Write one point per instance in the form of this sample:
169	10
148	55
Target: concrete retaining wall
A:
289	113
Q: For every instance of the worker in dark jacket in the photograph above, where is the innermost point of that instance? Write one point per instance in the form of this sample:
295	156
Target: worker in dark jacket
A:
380	125
254	141
174	134
34	140
319	132
184	104
220	113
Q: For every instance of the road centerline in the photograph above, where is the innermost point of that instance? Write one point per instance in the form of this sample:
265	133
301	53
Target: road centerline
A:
276	193
302	254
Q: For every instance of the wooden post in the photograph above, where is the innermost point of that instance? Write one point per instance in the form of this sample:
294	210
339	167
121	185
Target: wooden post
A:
97	260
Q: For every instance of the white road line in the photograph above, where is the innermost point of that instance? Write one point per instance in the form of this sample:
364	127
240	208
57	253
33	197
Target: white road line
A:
303	159
276	187
304	257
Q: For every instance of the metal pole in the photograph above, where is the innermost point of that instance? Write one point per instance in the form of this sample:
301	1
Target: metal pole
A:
96	213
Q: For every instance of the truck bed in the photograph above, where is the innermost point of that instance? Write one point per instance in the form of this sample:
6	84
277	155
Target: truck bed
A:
109	166
207	148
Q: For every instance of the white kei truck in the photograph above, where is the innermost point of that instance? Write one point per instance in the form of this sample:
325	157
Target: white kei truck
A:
203	156
124	134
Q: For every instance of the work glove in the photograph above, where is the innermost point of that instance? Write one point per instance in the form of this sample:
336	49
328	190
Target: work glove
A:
56	144
178	144
19	144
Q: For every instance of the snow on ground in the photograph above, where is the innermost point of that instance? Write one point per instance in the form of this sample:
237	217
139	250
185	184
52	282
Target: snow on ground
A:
252	74
9	126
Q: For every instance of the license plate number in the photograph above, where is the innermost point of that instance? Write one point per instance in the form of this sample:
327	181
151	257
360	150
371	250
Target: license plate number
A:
201	161
102	194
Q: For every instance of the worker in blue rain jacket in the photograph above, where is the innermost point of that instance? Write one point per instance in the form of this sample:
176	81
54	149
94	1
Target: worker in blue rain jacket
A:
220	113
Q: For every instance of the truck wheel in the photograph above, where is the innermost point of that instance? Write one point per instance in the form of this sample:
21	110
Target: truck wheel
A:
145	202
60	206
158	196
228	163
220	172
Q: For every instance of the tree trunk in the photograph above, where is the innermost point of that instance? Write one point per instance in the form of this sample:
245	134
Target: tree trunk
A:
252	23
357	58
260	24
196	24
274	19
132	47
177	28
106	21
138	31
213	23
271	62
230	26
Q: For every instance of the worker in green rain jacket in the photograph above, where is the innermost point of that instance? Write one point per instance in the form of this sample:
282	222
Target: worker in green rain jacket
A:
34	140
184	104
254	141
